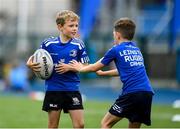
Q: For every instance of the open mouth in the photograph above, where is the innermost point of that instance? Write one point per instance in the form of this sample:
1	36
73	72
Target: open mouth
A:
73	33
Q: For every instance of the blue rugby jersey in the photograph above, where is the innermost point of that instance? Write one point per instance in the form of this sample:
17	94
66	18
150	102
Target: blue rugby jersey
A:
130	65
73	50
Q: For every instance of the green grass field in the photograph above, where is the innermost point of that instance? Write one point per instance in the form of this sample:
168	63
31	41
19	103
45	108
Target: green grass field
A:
21	112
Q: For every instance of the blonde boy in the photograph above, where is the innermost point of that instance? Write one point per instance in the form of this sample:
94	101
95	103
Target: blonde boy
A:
62	88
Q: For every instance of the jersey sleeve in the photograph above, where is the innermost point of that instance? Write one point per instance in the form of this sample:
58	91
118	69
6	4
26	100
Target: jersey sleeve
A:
109	56
83	56
45	43
42	45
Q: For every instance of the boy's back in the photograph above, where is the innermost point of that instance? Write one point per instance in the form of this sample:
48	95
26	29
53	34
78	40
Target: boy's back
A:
130	64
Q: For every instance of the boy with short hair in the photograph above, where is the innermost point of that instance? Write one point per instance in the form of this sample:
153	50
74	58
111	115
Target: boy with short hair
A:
135	101
62	88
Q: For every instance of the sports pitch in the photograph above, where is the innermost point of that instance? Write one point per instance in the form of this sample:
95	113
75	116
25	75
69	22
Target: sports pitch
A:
22	112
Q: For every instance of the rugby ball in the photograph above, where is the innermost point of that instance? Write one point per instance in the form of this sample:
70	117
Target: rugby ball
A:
43	57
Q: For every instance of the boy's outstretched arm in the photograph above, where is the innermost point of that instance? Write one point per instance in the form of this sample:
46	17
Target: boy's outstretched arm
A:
112	72
89	68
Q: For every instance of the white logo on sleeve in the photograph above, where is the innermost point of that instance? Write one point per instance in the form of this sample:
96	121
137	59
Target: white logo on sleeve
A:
84	53
117	108
75	101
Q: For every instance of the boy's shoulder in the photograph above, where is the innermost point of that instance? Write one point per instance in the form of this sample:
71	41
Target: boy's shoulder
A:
78	42
122	46
49	40
117	46
127	45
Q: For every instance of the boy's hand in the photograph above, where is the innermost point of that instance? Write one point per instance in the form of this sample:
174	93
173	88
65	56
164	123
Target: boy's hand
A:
100	72
62	68
76	65
35	67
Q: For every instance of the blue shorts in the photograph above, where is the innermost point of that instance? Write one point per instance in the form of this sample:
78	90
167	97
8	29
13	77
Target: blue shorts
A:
66	100
134	106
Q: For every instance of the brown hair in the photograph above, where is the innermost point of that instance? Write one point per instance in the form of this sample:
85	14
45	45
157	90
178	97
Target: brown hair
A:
64	15
126	27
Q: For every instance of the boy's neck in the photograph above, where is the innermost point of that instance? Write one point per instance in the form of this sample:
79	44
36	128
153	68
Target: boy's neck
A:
64	39
123	40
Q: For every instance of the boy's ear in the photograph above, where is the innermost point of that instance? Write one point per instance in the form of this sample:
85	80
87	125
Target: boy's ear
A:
59	26
118	35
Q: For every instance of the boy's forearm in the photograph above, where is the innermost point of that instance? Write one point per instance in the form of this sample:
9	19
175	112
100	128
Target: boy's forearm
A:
88	68
113	72
92	67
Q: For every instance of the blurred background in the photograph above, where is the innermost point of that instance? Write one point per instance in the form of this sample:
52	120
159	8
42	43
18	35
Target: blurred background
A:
25	23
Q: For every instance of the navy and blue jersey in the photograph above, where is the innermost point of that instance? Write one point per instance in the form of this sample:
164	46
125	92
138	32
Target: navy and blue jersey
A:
130	65
64	52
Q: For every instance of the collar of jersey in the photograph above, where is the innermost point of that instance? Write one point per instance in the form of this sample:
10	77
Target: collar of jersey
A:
127	42
60	43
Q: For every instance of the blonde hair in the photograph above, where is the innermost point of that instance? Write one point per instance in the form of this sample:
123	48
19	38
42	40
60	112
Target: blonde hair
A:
64	15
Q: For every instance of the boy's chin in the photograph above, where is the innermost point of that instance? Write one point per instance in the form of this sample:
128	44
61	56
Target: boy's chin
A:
72	36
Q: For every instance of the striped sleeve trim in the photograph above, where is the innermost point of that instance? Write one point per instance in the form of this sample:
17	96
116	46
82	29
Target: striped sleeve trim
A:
85	59
50	42
78	44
